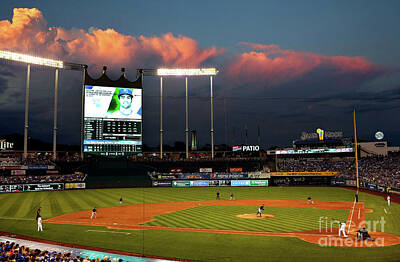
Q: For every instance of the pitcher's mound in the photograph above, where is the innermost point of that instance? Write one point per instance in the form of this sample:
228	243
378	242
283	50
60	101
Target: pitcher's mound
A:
254	216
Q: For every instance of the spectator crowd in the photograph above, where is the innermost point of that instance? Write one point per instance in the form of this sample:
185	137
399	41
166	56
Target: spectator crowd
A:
10	251
383	171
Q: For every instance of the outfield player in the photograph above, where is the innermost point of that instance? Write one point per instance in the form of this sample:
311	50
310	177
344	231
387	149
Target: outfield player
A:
388	200
232	197
39	223
120	201
342	228
94	213
260	209
38	213
217	195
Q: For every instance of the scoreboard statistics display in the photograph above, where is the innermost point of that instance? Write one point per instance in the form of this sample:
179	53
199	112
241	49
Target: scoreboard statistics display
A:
112	121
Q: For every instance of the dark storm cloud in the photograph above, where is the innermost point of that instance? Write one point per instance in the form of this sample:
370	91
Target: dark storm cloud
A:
282	91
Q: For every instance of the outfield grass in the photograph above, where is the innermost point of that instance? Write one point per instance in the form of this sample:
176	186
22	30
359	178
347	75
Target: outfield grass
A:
17	215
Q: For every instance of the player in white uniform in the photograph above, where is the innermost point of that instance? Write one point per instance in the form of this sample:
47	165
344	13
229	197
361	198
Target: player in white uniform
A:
388	200
342	229
39	224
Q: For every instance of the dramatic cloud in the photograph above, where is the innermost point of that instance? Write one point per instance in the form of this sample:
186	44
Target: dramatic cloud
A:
270	65
28	32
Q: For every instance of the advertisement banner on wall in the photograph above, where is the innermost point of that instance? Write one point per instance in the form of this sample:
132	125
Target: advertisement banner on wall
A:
11	167
381	189
205	170
199	183
240	183
227	175
39	167
351	183
338	182
249	183
18	172
179	183
194	176
75	185
235	169
371	186
259	175
161	177
219	182
44	187
161	183
304	173
258	182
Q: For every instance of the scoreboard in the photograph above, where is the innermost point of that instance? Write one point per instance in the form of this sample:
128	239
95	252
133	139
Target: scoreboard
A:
112	121
31	187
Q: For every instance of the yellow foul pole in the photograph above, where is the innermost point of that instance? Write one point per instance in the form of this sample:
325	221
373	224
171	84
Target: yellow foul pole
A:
355	147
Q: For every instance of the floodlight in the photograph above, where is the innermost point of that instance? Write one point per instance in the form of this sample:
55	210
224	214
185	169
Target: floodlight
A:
187	72
31	59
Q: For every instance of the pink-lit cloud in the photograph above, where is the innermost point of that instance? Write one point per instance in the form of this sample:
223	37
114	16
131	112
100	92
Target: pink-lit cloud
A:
272	66
28	32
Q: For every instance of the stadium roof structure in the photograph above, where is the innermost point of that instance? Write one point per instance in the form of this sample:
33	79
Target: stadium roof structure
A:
104	80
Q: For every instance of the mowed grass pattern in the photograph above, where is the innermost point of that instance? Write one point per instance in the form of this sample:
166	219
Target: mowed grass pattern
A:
287	219
17	215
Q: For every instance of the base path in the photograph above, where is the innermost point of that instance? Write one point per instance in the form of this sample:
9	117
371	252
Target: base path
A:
133	216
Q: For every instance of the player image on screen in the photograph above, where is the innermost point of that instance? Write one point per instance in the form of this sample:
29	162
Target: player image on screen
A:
125	105
112	120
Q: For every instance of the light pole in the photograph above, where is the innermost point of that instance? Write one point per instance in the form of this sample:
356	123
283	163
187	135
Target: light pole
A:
161	118
28	73
189	72
187	118
55	116
34	60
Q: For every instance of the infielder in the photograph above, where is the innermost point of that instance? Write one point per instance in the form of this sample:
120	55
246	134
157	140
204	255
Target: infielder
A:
39	223
388	200
94	211
310	201
260	209
342	228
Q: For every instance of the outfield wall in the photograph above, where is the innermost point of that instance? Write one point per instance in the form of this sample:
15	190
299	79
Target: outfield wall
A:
365	185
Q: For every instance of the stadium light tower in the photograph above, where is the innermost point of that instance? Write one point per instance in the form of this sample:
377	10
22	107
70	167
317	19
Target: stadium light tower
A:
34	60
188	72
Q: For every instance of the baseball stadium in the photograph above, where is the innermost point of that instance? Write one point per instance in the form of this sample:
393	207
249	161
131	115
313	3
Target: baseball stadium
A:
325	198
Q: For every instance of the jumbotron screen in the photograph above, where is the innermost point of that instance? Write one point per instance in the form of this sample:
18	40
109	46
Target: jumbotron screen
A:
112	121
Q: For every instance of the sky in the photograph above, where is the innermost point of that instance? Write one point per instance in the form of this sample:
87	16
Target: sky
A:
285	67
